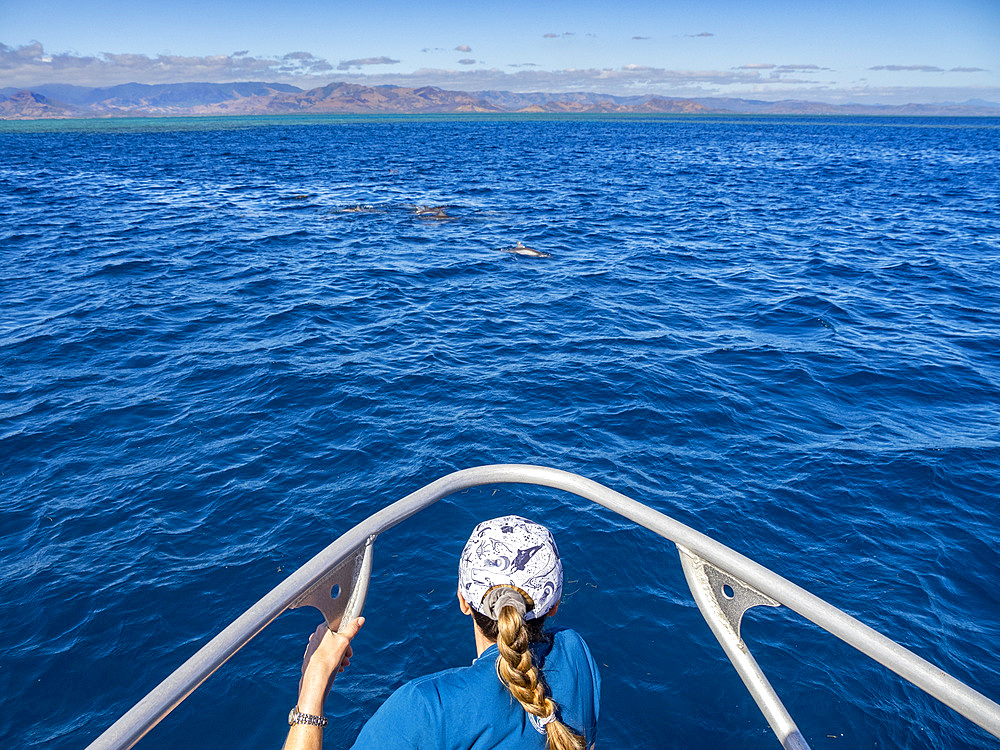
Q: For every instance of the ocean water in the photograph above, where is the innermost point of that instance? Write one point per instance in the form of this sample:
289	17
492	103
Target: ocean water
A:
784	332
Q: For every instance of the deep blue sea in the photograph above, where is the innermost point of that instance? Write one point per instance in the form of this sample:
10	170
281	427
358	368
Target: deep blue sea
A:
224	342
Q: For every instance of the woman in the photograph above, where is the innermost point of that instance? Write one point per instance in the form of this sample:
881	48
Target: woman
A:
509	582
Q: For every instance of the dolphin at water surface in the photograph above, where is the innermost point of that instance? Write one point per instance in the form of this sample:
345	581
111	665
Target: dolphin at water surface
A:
528	252
433	212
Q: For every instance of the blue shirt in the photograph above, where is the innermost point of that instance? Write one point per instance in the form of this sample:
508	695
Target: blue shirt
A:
469	708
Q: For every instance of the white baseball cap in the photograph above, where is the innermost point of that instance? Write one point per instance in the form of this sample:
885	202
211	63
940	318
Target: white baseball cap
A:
515	552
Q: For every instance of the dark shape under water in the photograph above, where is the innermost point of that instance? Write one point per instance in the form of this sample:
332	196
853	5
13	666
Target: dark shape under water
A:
361	208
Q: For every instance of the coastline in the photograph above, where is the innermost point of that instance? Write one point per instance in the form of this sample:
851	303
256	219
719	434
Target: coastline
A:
223	122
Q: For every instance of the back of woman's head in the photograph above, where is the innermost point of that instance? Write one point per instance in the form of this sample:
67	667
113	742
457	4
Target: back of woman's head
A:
511	575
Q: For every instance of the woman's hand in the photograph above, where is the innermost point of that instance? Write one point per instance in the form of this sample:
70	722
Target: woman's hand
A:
327	654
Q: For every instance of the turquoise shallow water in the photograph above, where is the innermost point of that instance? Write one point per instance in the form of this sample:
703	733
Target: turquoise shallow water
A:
782	332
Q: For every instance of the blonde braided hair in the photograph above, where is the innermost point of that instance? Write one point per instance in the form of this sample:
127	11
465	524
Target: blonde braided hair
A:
524	680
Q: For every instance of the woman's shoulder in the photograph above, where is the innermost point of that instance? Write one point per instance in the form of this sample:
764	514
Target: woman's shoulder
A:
457	679
570	651
567	638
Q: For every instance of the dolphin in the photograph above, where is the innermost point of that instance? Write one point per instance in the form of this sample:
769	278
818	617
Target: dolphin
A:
528	252
433	212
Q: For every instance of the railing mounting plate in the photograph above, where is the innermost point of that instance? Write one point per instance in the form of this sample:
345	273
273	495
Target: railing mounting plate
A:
732	596
340	594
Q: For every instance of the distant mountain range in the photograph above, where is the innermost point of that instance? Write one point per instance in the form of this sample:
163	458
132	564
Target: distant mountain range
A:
189	99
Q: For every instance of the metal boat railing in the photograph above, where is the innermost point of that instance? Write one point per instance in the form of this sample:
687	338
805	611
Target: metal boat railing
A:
725	584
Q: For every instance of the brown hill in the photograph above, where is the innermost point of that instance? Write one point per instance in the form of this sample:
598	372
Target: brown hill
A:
660	104
352	98
28	105
652	105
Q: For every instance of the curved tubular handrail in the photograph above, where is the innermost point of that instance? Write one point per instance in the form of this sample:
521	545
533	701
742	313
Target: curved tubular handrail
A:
148	712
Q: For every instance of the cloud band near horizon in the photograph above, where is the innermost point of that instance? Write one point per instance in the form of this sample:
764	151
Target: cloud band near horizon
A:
30	65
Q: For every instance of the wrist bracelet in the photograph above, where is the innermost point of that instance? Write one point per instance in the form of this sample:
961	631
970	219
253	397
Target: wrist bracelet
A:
297	717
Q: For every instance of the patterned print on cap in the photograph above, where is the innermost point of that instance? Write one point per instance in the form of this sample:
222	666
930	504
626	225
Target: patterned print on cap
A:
511	551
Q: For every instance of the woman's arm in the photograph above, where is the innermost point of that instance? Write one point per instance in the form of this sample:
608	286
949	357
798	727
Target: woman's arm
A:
326	655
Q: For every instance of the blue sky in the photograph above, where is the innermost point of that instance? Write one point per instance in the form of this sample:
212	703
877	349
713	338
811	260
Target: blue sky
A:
822	50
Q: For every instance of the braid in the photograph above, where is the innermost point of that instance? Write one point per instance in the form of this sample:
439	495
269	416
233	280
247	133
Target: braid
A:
525	682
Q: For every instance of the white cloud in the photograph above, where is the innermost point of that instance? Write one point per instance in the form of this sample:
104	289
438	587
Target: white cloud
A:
918	68
30	65
926	69
463	48
629	79
800	68
363	61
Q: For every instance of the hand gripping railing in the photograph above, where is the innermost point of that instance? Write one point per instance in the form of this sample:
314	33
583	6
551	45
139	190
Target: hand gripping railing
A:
725	585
